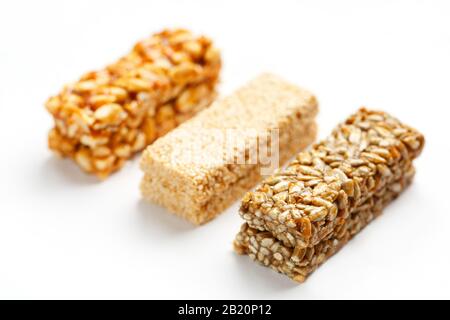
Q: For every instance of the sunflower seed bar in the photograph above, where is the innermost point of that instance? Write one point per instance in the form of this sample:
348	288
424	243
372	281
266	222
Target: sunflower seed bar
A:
198	190
109	115
303	203
298	263
328	193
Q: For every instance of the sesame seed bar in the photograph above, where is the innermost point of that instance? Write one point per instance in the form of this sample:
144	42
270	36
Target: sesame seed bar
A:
199	190
298	263
109	115
303	203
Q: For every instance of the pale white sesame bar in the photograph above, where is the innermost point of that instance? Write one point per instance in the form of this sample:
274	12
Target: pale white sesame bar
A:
199	190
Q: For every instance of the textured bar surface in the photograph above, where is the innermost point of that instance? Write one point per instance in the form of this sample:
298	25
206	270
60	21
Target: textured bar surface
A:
199	191
109	115
366	158
301	204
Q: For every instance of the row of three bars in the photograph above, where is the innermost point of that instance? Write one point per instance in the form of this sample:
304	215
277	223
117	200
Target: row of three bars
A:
296	218
301	215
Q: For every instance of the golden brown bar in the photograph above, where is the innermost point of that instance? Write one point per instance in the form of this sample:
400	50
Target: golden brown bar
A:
301	204
199	189
109	115
366	158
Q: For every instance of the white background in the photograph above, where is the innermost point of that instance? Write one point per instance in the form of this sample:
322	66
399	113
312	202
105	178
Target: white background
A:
65	235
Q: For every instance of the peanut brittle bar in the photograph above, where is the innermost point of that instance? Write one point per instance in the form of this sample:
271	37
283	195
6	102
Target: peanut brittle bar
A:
199	189
109	115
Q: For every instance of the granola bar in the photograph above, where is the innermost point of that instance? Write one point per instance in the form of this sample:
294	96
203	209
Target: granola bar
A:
109	115
302	205
199	189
